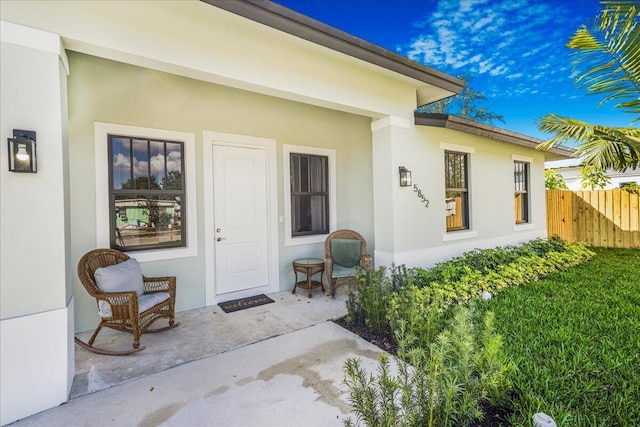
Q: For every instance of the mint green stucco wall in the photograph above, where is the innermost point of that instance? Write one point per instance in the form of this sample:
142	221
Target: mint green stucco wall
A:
112	92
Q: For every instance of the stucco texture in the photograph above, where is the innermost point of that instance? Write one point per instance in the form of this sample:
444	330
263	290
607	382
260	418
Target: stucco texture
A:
491	187
113	92
33	268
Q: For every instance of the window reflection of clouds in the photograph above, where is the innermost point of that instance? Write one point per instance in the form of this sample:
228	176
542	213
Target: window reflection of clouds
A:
174	158
121	149
148	158
140	158
157	160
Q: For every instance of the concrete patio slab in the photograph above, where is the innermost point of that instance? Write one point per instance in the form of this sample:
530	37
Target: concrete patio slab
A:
203	332
293	379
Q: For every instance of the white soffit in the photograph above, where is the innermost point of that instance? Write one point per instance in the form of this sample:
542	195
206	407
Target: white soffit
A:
197	40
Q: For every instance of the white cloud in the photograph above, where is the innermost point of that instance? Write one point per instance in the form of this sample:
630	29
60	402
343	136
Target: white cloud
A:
174	161
485	66
121	162
499	70
484	21
504	42
157	164
140	167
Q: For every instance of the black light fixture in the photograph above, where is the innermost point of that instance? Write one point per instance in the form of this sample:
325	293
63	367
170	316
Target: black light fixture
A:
22	151
405	177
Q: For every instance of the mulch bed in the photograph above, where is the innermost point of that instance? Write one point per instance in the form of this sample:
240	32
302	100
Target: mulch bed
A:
493	416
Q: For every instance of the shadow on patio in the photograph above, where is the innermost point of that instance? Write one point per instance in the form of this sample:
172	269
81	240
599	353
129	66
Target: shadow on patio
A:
203	332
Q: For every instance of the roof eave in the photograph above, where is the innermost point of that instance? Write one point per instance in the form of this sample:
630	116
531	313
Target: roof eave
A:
304	27
480	129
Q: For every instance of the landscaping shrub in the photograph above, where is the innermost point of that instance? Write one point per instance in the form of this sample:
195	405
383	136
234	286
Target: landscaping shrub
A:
384	297
442	384
423	309
368	301
418	313
487	260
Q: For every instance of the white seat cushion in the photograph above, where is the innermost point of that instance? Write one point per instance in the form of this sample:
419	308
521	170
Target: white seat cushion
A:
145	302
123	277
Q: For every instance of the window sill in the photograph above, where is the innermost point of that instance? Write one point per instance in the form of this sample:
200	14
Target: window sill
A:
459	235
162	254
523	226
305	240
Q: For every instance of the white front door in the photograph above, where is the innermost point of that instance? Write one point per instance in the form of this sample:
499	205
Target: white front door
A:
240	219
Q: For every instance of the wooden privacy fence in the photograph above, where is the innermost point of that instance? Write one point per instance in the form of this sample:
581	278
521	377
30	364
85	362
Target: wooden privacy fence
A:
606	218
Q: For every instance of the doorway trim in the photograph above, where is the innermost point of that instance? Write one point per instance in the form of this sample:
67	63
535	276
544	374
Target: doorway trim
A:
211	139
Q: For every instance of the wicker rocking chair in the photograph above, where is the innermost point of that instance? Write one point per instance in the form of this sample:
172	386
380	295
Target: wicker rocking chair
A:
344	252
127	301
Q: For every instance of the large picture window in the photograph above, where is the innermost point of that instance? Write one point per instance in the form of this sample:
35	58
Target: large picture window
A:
521	194
147	193
309	194
457	190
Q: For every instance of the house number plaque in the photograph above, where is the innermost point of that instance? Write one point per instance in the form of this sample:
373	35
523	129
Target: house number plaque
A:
421	195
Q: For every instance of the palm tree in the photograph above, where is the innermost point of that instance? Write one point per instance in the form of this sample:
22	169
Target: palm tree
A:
610	52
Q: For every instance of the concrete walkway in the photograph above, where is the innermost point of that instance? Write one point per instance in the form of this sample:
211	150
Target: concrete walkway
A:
288	374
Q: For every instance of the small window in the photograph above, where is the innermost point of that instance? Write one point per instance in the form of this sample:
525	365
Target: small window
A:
457	190
147	193
521	195
309	194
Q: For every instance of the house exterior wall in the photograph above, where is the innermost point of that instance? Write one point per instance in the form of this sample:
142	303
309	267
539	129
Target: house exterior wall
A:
195	39
36	304
420	237
192	68
112	92
571	176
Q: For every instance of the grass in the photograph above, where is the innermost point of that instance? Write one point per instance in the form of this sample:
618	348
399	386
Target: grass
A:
575	337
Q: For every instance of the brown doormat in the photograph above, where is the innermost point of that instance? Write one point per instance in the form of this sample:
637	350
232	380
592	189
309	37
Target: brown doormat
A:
242	303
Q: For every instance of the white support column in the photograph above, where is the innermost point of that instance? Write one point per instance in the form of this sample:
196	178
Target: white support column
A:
387	134
36	304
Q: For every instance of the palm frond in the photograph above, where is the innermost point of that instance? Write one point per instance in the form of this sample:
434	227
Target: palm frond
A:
610	53
602	146
564	130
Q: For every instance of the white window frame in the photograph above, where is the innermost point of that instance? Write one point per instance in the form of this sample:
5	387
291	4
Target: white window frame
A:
451	236
101	141
525	225
287	150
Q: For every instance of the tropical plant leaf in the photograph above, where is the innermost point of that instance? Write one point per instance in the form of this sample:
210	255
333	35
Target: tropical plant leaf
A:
602	146
609	51
607	62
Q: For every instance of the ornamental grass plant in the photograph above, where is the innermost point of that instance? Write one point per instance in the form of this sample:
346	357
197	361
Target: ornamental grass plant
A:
439	385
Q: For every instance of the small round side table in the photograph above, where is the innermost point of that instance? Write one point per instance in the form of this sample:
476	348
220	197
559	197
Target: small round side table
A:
309	267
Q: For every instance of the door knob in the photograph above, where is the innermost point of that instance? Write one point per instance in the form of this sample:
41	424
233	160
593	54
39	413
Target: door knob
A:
221	238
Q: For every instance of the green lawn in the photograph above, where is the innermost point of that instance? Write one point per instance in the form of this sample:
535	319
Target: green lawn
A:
576	339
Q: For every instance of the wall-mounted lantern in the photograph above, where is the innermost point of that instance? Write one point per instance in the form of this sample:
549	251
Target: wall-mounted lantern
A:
405	177
22	151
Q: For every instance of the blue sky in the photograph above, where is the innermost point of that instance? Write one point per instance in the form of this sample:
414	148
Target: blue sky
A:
514	49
